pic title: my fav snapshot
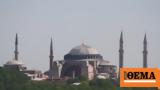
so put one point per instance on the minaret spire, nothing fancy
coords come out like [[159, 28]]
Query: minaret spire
[[16, 47], [51, 61], [121, 51], [51, 49], [145, 52]]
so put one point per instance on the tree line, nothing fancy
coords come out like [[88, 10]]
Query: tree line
[[16, 80]]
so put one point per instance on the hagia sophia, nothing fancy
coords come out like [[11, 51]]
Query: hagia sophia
[[81, 60]]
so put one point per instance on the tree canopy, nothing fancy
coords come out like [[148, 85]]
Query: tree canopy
[[16, 80]]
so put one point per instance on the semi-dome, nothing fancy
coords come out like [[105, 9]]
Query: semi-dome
[[104, 62], [13, 62], [82, 51]]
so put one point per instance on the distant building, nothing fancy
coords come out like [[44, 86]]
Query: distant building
[[82, 60], [35, 75], [13, 64], [107, 70], [17, 65]]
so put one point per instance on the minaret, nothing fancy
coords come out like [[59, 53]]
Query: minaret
[[121, 51], [145, 52], [51, 61], [16, 47]]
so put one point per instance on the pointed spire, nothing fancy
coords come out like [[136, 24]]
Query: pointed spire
[[51, 61], [145, 39], [51, 48], [121, 51], [121, 37], [16, 41], [16, 47], [145, 52], [51, 53]]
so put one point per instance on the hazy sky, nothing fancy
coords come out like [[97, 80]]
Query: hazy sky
[[98, 23]]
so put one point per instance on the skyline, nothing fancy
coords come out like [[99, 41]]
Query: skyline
[[51, 48], [70, 23]]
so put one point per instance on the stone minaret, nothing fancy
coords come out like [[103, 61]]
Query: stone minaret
[[145, 52], [51, 61], [16, 48], [121, 51]]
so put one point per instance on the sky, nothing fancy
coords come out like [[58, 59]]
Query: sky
[[98, 23]]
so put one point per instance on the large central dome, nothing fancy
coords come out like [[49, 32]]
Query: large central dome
[[82, 51]]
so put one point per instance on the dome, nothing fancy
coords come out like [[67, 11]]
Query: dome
[[13, 62], [83, 50]]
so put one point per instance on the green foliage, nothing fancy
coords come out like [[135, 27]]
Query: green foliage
[[101, 84], [11, 79], [77, 79], [15, 80], [12, 76]]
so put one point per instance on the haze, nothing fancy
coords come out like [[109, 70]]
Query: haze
[[98, 23]]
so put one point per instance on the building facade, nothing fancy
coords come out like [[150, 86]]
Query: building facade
[[85, 61]]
